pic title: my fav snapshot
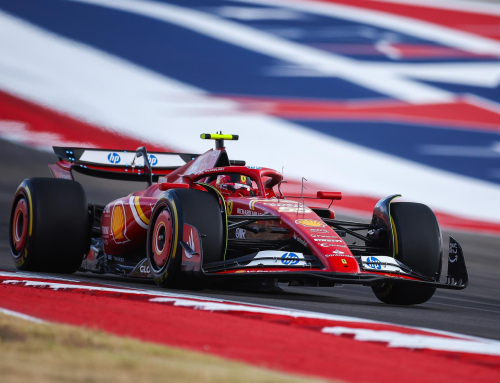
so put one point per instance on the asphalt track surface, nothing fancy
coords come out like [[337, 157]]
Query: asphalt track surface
[[473, 311]]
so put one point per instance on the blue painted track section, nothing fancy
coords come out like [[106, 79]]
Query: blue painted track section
[[424, 141]]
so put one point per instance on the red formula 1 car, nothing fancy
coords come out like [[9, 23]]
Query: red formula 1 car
[[204, 219]]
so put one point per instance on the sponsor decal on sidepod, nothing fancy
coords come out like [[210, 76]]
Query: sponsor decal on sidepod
[[118, 223], [247, 212]]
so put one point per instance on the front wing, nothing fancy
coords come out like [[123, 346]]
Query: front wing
[[240, 269]]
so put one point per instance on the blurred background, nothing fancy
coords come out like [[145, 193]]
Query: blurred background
[[370, 98]]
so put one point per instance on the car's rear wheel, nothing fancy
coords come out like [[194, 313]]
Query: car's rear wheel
[[418, 245], [173, 209], [49, 225]]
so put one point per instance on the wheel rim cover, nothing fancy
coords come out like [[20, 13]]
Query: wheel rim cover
[[20, 225], [162, 238]]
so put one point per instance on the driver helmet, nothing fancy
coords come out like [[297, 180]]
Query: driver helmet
[[235, 184]]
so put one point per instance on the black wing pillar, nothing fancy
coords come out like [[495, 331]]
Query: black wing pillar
[[457, 269], [142, 152]]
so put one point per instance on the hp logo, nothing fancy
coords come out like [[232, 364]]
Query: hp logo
[[114, 158], [373, 263], [153, 160], [289, 259]]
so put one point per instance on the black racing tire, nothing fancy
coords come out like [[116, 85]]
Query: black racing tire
[[49, 226], [418, 245], [173, 209]]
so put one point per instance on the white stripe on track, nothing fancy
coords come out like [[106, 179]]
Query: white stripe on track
[[453, 342], [425, 30], [380, 80], [21, 316], [396, 80], [94, 86], [391, 79], [416, 341], [183, 299], [166, 296]]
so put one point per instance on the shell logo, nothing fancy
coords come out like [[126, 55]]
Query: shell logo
[[118, 223], [310, 223]]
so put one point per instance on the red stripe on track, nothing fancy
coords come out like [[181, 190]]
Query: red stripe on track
[[459, 114], [402, 50], [309, 323], [62, 128], [263, 343], [479, 24]]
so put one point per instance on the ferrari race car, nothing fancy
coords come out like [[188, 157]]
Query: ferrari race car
[[208, 220]]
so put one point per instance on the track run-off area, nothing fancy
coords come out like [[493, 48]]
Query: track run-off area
[[324, 345], [370, 98]]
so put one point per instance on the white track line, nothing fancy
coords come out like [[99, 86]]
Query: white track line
[[21, 316], [394, 339], [414, 341], [220, 305], [183, 299], [459, 343], [380, 80], [425, 30]]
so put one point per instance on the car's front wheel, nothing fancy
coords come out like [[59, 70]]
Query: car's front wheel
[[418, 245], [173, 209]]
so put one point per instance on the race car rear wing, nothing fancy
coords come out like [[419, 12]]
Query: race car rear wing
[[125, 165]]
